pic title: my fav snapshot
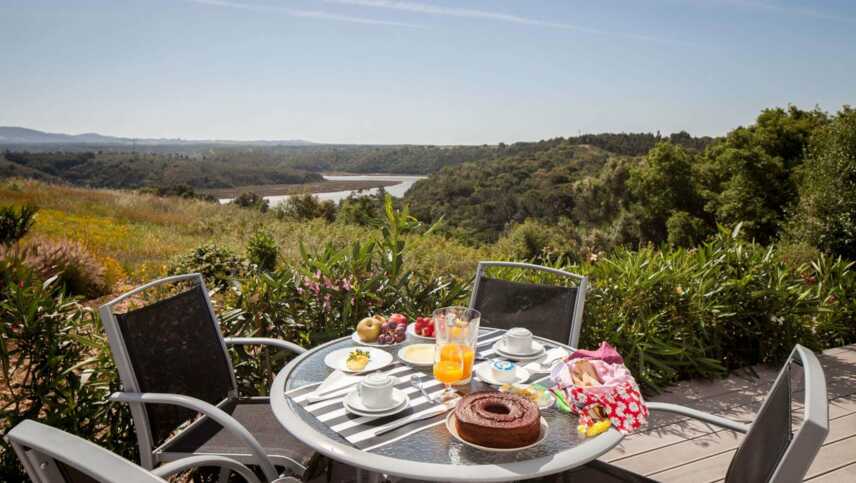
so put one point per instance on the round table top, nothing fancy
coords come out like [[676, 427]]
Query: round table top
[[432, 454]]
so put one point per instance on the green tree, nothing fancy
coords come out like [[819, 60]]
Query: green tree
[[826, 214], [662, 185]]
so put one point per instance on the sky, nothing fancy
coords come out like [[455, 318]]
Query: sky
[[417, 71]]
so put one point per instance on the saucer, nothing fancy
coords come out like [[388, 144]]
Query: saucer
[[486, 375], [354, 405], [537, 351], [453, 430]]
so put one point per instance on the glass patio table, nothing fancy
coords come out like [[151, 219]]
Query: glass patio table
[[432, 453]]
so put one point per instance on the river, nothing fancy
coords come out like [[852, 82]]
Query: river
[[396, 190]]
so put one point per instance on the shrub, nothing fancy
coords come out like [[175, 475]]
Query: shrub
[[251, 200], [74, 266], [684, 229], [262, 251], [729, 303], [218, 265], [56, 367], [14, 224], [305, 207], [535, 240]]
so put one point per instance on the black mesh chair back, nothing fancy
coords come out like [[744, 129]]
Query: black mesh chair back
[[175, 347], [766, 442], [777, 448], [544, 309]]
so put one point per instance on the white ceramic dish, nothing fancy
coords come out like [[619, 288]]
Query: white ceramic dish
[[353, 404], [356, 338], [428, 362], [545, 403], [537, 349], [378, 359], [484, 372], [453, 430], [411, 331]]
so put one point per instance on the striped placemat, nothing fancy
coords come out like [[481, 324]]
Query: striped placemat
[[360, 430]]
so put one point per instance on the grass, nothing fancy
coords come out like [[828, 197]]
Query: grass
[[137, 234]]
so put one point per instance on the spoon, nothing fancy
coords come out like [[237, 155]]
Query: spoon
[[416, 381]]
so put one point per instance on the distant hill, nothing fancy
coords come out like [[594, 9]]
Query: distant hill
[[22, 135]]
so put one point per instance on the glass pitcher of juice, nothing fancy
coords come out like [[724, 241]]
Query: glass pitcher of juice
[[456, 330]]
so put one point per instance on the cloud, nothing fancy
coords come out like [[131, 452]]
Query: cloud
[[319, 14], [428, 9]]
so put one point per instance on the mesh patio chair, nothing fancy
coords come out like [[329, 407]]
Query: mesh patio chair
[[550, 311], [774, 449], [53, 456], [173, 364]]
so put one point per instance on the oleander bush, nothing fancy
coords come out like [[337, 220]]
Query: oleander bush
[[218, 265], [262, 251], [729, 303], [55, 365], [15, 222]]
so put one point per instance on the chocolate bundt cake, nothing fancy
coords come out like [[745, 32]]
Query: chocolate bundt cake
[[498, 420]]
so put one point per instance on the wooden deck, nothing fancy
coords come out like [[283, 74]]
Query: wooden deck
[[675, 449]]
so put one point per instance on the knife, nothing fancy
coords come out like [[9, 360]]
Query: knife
[[420, 416]]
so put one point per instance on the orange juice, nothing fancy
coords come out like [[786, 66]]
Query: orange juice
[[457, 360], [448, 372]]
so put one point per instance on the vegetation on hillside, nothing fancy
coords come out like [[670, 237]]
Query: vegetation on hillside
[[147, 170], [677, 193]]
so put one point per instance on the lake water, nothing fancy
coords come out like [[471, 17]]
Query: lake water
[[396, 190]]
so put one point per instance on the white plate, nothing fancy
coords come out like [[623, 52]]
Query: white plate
[[403, 350], [378, 359], [411, 331], [453, 430], [353, 403], [356, 338], [499, 348], [486, 375]]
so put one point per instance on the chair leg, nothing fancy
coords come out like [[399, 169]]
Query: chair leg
[[224, 475]]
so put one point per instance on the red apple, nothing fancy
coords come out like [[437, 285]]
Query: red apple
[[398, 319]]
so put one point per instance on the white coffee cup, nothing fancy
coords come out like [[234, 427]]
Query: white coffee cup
[[518, 340], [375, 390]]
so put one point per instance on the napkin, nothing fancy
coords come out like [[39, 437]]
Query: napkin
[[335, 381], [605, 353]]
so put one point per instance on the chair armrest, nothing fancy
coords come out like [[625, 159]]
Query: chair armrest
[[700, 415], [184, 464], [216, 414], [281, 344]]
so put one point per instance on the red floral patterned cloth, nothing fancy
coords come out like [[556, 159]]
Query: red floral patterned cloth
[[623, 406], [618, 395]]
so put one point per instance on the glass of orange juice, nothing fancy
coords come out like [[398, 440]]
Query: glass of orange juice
[[456, 332]]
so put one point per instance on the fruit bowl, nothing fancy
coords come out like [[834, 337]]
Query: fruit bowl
[[380, 331]]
